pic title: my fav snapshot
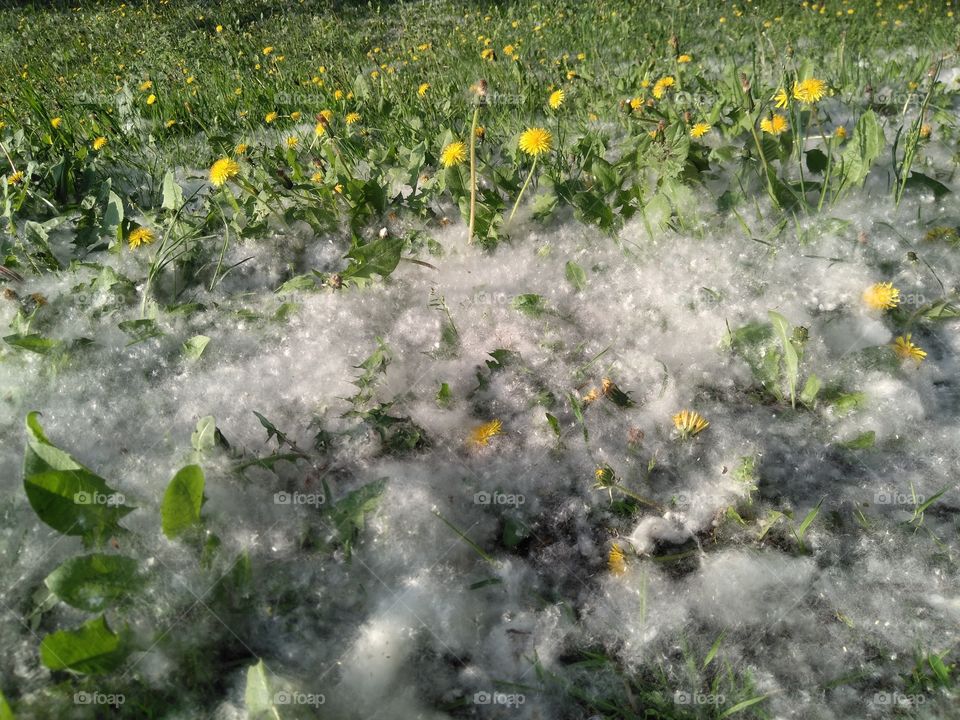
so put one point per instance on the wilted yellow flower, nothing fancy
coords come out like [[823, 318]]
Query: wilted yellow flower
[[781, 98], [925, 131], [222, 170], [535, 141], [662, 85], [616, 560], [689, 423], [422, 90], [151, 99], [240, 149], [453, 154], [99, 143], [774, 125], [881, 296], [556, 99], [699, 130], [810, 90], [140, 236], [352, 118], [905, 349], [482, 434], [271, 116], [146, 85], [56, 122]]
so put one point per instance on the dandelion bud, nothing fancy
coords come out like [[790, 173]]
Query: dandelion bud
[[674, 42], [383, 233], [604, 476], [745, 82]]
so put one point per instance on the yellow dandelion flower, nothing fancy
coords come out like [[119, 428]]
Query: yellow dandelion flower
[[169, 123], [222, 170], [292, 141], [268, 49], [320, 129], [662, 85], [317, 177], [352, 118], [140, 236], [689, 423], [781, 99], [810, 90], [905, 349], [327, 115], [775, 124], [338, 188], [881, 296], [338, 94], [151, 99], [482, 434], [270, 116], [684, 58], [422, 90], [571, 74], [146, 85], [616, 560], [636, 103], [219, 28], [240, 149], [700, 129], [481, 131], [99, 143], [508, 49], [556, 99], [16, 178], [925, 131], [56, 122], [488, 54], [295, 116], [535, 141], [840, 132], [591, 396], [605, 477], [453, 154]]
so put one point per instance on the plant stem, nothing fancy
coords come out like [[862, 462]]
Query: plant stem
[[526, 182], [473, 172]]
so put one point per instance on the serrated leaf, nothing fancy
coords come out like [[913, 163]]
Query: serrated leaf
[[66, 495], [94, 582], [349, 514], [182, 501], [91, 649]]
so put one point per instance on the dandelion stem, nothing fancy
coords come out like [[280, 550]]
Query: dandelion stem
[[522, 190], [473, 172]]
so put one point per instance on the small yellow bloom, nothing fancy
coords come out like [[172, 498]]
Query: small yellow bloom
[[219, 28], [338, 94], [535, 141], [422, 90], [775, 124], [662, 85], [169, 123], [905, 349], [338, 188], [267, 50], [616, 561], [881, 296], [481, 131], [146, 85], [352, 118], [699, 130], [56, 122], [781, 99], [317, 177], [684, 59], [689, 423], [151, 99], [295, 116], [810, 90], [925, 131], [140, 236], [636, 103], [488, 54], [271, 116], [571, 74], [556, 99], [16, 178], [482, 434], [222, 170], [240, 149], [320, 129], [840, 132], [99, 143], [292, 141], [453, 154]]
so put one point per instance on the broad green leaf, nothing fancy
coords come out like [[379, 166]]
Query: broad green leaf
[[194, 347], [379, 257], [863, 441], [575, 275], [32, 342], [91, 649], [65, 495], [5, 712], [182, 501], [205, 436], [94, 582], [810, 390], [140, 330], [258, 695], [791, 360], [529, 304], [349, 514], [113, 215], [172, 194], [863, 149]]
